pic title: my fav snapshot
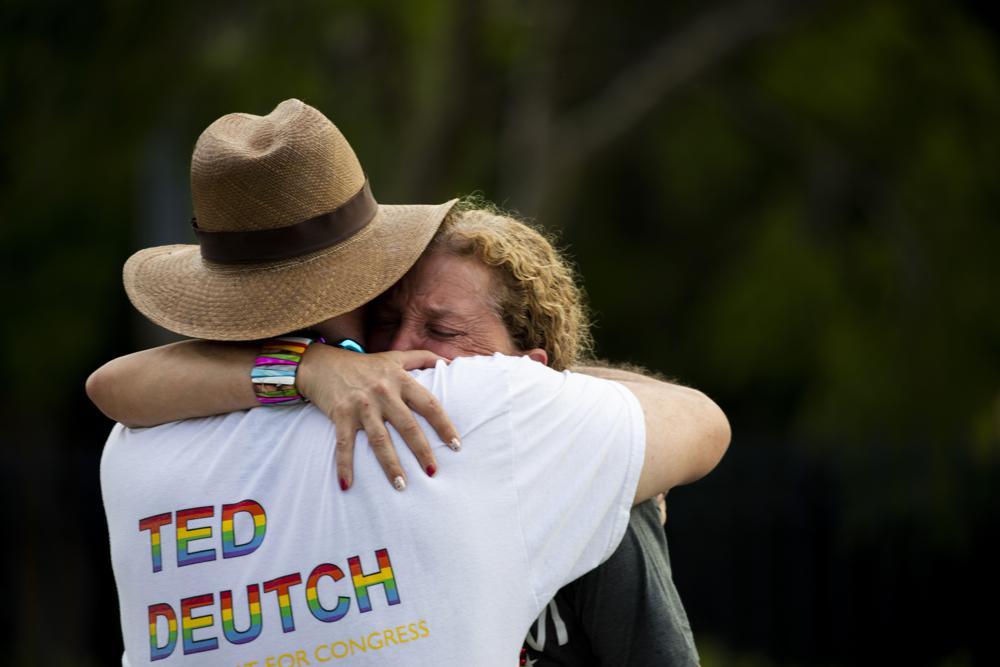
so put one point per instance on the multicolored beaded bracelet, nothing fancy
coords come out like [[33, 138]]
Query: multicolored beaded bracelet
[[277, 364], [275, 368]]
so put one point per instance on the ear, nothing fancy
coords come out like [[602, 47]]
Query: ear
[[539, 355]]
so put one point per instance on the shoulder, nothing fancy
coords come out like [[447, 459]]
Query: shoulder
[[492, 386], [263, 424], [521, 372], [482, 376], [481, 366], [517, 377]]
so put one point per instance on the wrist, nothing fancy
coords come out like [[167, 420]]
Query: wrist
[[309, 368]]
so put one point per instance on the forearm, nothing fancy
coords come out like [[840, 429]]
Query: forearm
[[357, 391], [178, 381], [686, 432]]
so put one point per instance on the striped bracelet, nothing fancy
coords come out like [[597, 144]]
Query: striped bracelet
[[274, 370]]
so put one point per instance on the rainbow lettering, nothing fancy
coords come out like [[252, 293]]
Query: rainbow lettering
[[185, 536], [312, 594], [229, 547], [153, 525], [164, 618], [191, 623], [281, 586], [157, 652], [363, 581], [233, 635]]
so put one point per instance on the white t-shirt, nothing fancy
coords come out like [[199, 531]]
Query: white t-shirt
[[233, 545]]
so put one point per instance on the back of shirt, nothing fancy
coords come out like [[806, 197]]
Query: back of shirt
[[232, 543]]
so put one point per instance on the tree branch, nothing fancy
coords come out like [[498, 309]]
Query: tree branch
[[677, 59]]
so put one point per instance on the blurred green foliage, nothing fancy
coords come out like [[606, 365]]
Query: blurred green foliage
[[792, 205]]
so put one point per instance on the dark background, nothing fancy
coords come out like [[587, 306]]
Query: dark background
[[790, 205]]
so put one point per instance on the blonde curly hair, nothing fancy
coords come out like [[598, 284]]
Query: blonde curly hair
[[536, 294]]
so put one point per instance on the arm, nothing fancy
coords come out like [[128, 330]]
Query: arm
[[686, 432], [193, 378], [358, 392]]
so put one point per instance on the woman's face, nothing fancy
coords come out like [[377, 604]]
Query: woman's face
[[443, 305]]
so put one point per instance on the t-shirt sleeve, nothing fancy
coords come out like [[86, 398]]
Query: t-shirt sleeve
[[578, 451], [629, 607]]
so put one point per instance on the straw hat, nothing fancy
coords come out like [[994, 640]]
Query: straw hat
[[289, 233]]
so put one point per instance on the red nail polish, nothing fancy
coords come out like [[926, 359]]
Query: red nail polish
[[343, 484], [430, 470]]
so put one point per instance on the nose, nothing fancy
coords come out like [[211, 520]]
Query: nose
[[406, 338]]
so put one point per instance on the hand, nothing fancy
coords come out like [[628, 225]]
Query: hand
[[362, 392]]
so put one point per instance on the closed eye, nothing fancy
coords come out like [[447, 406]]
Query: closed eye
[[443, 334]]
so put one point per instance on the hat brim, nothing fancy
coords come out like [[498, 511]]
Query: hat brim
[[178, 290]]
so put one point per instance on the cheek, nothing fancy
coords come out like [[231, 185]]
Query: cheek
[[500, 341], [483, 344], [446, 349]]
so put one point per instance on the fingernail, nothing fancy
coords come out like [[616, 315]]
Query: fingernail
[[343, 484], [399, 483], [455, 444], [430, 469]]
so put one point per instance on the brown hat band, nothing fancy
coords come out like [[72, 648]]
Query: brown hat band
[[265, 245]]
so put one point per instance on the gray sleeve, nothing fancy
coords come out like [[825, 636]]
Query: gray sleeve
[[627, 611]]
